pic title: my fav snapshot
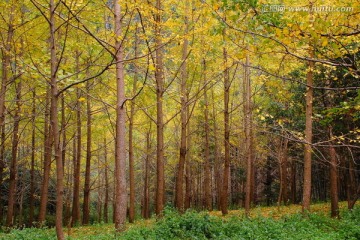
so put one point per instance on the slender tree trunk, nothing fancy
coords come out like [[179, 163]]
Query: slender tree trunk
[[131, 147], [76, 191], [226, 177], [218, 179], [179, 192], [13, 164], [120, 148], [32, 168], [100, 189], [47, 161], [248, 137], [106, 201], [146, 201], [131, 158], [189, 195], [283, 196], [351, 185], [333, 179], [293, 181], [159, 78], [86, 206], [207, 167], [308, 137], [54, 126], [63, 130]]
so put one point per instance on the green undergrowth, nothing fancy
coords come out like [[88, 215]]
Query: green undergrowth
[[194, 225]]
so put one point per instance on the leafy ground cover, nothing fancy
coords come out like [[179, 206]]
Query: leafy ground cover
[[285, 222]]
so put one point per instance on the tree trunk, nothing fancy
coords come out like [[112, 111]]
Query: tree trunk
[[47, 161], [106, 201], [226, 177], [76, 191], [146, 201], [86, 206], [218, 179], [248, 137], [188, 169], [351, 185], [131, 147], [54, 125], [32, 169], [293, 182], [333, 178], [283, 194], [179, 192], [13, 164], [207, 167], [308, 137], [120, 148], [159, 78]]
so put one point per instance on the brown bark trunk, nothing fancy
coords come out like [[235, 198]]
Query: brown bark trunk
[[13, 164], [47, 162], [106, 200], [120, 148], [308, 137], [218, 179], [248, 137], [146, 201], [86, 206], [131, 158], [32, 168], [226, 176], [76, 191], [351, 185], [293, 181], [207, 167], [333, 179], [159, 78], [188, 169], [179, 192], [54, 126], [63, 130], [131, 147], [283, 194]]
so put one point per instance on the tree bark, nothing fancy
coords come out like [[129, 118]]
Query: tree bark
[[131, 147], [218, 166], [283, 194], [308, 137], [226, 176], [32, 168], [54, 125], [86, 206], [13, 164], [207, 167], [333, 178], [106, 201], [76, 190], [179, 192], [120, 148], [47, 161], [159, 78], [188, 169], [146, 201], [248, 137]]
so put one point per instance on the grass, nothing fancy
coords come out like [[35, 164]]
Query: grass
[[284, 222]]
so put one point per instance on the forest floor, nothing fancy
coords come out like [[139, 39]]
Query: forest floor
[[283, 222]]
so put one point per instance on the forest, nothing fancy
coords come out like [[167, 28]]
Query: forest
[[186, 113]]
